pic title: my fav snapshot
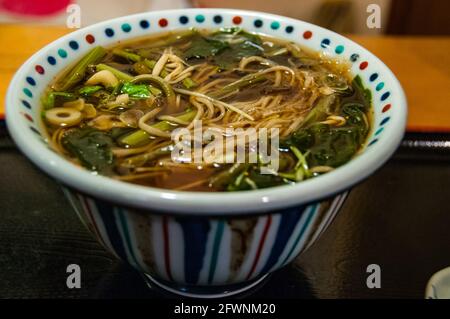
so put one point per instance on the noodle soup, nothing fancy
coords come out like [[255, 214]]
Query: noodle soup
[[117, 110]]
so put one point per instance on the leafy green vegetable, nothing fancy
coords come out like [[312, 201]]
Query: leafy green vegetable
[[202, 47], [367, 94], [92, 147], [330, 145], [137, 91], [225, 47], [324, 107], [253, 179], [89, 90], [244, 44]]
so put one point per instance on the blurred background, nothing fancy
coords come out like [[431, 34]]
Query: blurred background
[[424, 17]]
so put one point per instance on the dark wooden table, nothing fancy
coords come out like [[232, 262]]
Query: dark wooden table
[[399, 219]]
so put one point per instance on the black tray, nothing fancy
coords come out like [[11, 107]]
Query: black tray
[[399, 219]]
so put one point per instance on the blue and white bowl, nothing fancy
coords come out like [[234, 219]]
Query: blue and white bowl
[[193, 243]]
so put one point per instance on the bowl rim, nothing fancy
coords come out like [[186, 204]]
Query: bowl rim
[[206, 203]]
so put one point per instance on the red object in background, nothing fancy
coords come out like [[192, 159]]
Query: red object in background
[[34, 7]]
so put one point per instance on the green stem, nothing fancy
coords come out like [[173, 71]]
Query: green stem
[[127, 55], [165, 87], [77, 73], [141, 137], [237, 85], [122, 76]]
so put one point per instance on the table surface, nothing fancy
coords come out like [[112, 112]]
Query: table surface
[[397, 219], [422, 64]]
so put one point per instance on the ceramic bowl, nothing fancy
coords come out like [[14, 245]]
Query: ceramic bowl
[[204, 244]]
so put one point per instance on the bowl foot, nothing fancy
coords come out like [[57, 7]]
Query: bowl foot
[[206, 292]]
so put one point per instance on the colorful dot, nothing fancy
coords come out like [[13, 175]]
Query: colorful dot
[[163, 22], [39, 69], [28, 117], [307, 35], [90, 38], [381, 129], [354, 57], [35, 131], [62, 53], [384, 121], [325, 43], [373, 142], [363, 65], [27, 92], [51, 60], [144, 24], [109, 32], [289, 29], [26, 104], [73, 45], [31, 81], [385, 96], [380, 86], [275, 25], [386, 108], [258, 23], [373, 77], [200, 18], [217, 19], [339, 49], [183, 19], [237, 20], [126, 27]]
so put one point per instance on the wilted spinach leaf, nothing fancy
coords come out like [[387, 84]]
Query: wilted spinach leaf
[[254, 179], [92, 147], [367, 94], [244, 44], [137, 91], [331, 145], [202, 47], [221, 50], [89, 89]]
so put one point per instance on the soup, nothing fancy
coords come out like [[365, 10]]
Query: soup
[[118, 111]]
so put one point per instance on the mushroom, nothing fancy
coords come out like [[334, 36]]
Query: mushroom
[[104, 77]]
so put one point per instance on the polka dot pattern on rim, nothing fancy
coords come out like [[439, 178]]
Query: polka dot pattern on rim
[[258, 23], [325, 43], [222, 20], [200, 18], [307, 35], [275, 25], [237, 20], [30, 81], [109, 32], [363, 65], [183, 19], [74, 45], [163, 23], [339, 49], [39, 69], [62, 53], [90, 38], [144, 24], [126, 27], [51, 60]]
